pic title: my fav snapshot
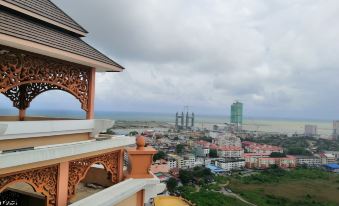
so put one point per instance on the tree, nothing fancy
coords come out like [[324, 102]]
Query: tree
[[185, 176], [180, 148], [277, 154], [213, 153], [205, 138], [172, 185], [159, 155], [298, 151], [133, 133]]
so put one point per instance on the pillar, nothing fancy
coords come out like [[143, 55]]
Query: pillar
[[141, 198], [22, 100], [140, 160], [62, 189], [91, 94], [22, 114]]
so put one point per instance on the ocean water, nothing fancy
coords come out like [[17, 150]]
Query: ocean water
[[276, 125]]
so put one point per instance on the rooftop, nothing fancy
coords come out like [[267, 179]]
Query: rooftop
[[332, 166]]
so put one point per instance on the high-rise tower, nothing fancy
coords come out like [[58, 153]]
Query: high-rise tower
[[236, 114]]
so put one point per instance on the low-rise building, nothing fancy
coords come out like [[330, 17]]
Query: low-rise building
[[252, 147], [251, 159], [215, 169], [227, 139], [230, 164], [264, 161], [310, 130], [230, 152], [286, 162], [308, 161], [334, 153], [327, 158], [171, 163], [185, 161], [202, 150]]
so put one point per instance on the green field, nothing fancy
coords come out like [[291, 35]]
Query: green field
[[299, 187], [209, 198]]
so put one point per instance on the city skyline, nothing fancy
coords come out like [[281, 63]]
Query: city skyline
[[276, 59]]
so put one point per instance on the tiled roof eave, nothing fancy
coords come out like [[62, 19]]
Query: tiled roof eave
[[45, 37]]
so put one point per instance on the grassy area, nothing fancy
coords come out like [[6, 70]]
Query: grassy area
[[209, 198], [294, 188]]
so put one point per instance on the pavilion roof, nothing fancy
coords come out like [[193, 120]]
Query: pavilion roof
[[46, 11], [27, 29]]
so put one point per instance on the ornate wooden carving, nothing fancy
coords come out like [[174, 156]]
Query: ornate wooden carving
[[25, 75], [43, 180], [78, 169]]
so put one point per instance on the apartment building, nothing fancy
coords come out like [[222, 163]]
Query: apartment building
[[184, 161], [172, 163], [227, 139], [229, 165], [230, 152], [252, 147], [308, 161], [263, 161]]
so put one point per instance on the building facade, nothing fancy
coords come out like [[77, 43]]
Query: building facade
[[229, 165], [264, 161], [308, 161], [230, 152], [172, 163], [335, 135], [185, 161], [311, 130], [227, 139], [252, 147], [236, 113]]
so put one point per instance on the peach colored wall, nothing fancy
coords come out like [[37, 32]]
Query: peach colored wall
[[99, 176], [40, 141], [134, 200], [131, 201]]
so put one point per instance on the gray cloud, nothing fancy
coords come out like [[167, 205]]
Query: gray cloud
[[278, 57]]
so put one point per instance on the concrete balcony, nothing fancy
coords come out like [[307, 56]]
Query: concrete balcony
[[16, 135], [67, 153], [58, 151], [130, 192]]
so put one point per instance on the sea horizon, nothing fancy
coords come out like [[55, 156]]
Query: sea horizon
[[265, 124]]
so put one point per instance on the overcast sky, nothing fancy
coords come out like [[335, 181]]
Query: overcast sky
[[279, 57]]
